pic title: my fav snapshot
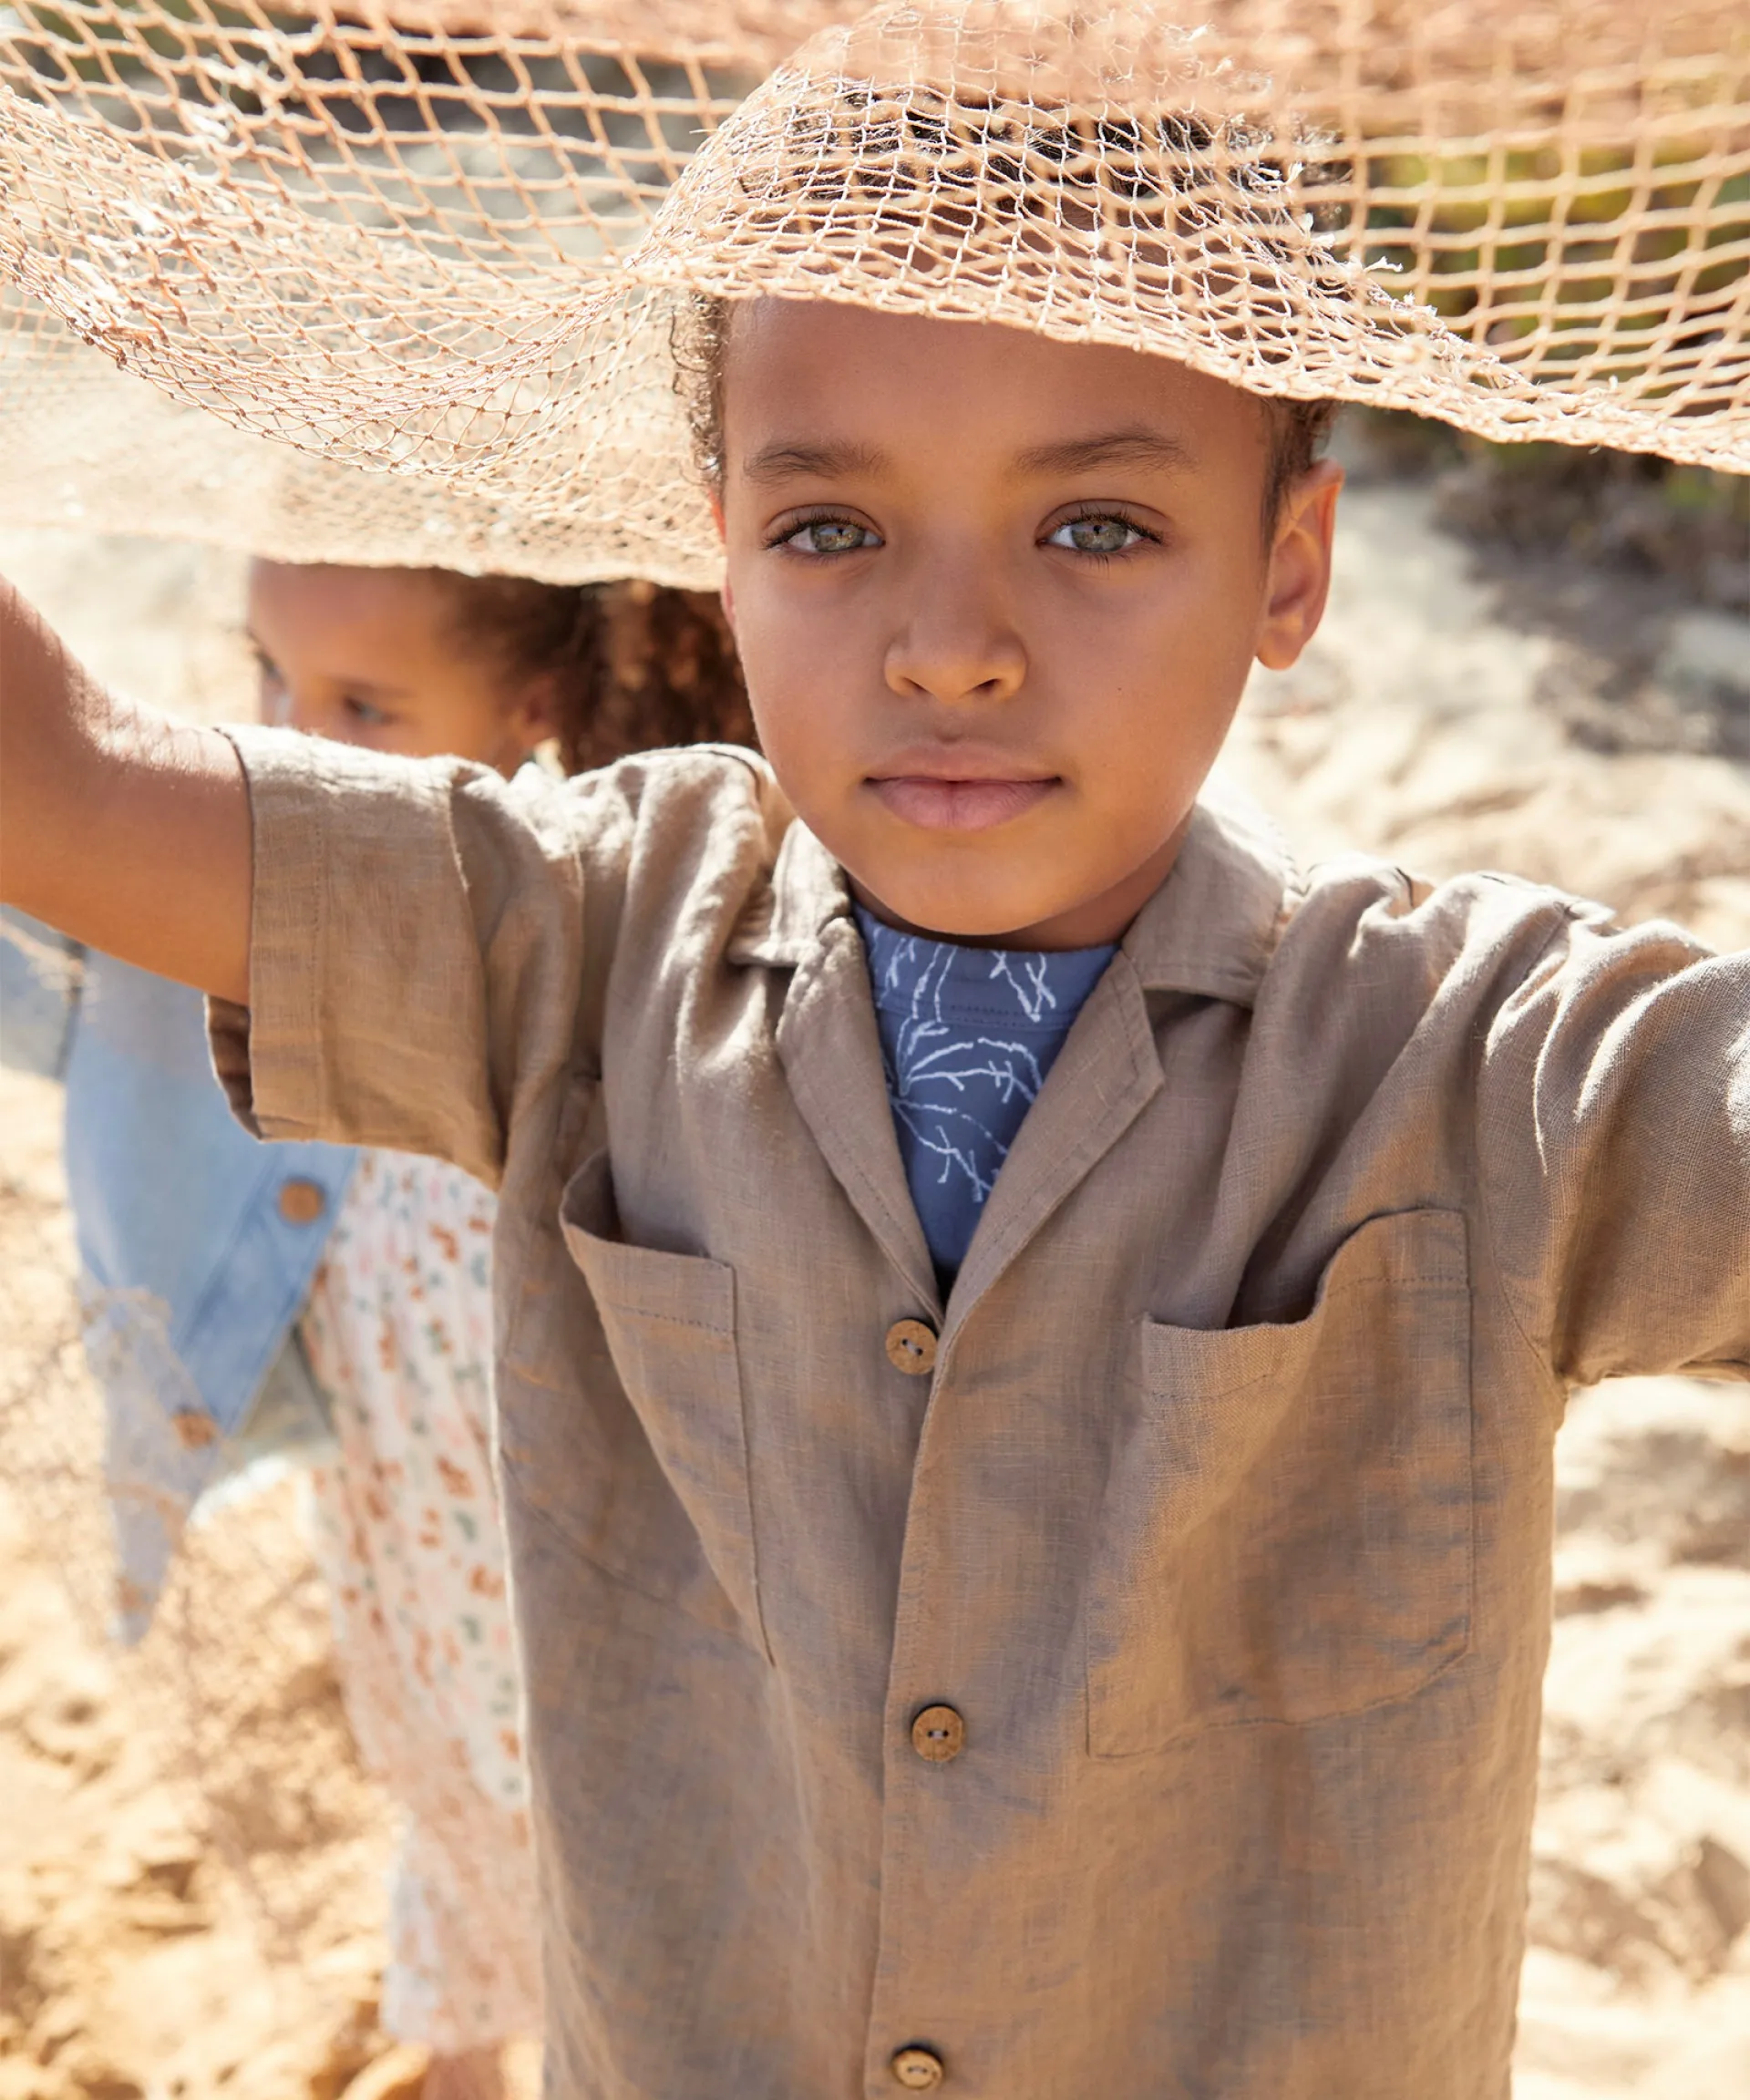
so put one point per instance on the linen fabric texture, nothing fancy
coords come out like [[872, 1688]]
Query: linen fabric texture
[[1223, 1520]]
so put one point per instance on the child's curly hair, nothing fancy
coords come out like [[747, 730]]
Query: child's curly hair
[[635, 666]]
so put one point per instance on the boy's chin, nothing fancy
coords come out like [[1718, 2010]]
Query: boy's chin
[[975, 915]]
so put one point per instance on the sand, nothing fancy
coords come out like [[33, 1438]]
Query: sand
[[188, 1847], [216, 1930]]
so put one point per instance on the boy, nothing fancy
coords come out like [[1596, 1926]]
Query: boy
[[1098, 1651]]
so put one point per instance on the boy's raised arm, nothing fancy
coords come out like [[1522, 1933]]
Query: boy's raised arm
[[120, 826]]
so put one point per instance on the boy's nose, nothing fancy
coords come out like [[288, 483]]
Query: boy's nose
[[957, 646]]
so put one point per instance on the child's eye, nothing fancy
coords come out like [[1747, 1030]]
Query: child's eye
[[1099, 533], [831, 536], [366, 716]]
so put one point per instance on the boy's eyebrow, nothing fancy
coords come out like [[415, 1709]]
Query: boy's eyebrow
[[786, 457], [1136, 447]]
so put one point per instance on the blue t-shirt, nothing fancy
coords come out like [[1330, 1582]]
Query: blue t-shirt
[[967, 1037]]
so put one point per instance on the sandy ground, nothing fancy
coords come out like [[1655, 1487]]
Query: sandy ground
[[191, 1906], [189, 1852]]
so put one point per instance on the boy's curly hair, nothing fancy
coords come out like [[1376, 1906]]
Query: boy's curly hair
[[1299, 430], [636, 666]]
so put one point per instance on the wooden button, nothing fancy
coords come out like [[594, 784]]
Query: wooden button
[[938, 1735], [302, 1202], [918, 2070], [912, 1347], [194, 1430]]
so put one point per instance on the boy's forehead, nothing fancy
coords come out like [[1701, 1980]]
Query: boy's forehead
[[801, 377]]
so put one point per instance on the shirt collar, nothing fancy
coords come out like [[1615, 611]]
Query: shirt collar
[[1210, 929], [783, 921], [1212, 926]]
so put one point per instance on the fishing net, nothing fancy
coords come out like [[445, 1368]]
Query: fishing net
[[90, 446], [454, 241]]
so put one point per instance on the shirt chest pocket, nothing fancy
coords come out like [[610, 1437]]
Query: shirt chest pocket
[[664, 1505], [1286, 1533]]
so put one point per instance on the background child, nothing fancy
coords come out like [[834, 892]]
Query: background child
[[271, 1286]]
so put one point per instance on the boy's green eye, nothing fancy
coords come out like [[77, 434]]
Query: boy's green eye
[[366, 715], [1097, 535], [832, 535]]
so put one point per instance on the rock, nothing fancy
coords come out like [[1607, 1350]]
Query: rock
[[354, 2052], [1723, 1881], [1581, 1597], [1576, 1912], [1706, 654], [398, 2075]]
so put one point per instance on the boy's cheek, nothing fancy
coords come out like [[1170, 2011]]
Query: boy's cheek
[[804, 674], [800, 733]]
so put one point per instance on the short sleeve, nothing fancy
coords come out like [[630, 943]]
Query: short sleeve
[[1615, 1151], [417, 945]]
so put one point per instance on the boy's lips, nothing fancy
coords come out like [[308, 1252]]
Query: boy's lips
[[966, 792]]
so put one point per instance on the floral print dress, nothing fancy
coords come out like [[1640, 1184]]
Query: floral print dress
[[398, 1329]]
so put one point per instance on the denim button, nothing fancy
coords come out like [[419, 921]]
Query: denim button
[[195, 1431], [302, 1202]]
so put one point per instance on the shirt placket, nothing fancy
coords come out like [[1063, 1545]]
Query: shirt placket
[[940, 1913], [925, 1736]]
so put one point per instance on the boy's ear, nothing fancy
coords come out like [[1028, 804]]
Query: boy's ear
[[1298, 580]]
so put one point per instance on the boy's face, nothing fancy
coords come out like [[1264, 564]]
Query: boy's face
[[997, 597]]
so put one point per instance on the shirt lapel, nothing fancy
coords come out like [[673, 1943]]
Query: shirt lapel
[[1208, 931], [831, 1049], [1106, 1074]]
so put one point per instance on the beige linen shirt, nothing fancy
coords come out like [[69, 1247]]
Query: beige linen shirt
[[1220, 1513]]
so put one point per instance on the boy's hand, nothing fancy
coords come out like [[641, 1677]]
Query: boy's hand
[[122, 828]]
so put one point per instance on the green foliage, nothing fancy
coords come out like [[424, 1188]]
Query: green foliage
[[1521, 246]]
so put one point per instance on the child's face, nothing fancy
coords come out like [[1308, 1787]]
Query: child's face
[[996, 599], [373, 656]]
